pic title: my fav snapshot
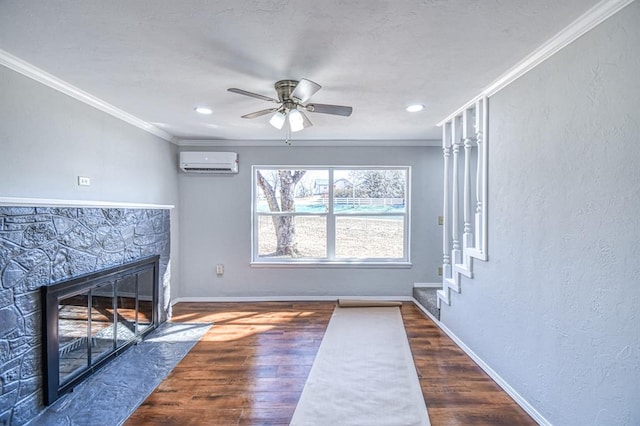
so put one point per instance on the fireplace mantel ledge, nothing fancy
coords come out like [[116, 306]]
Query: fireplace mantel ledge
[[49, 202]]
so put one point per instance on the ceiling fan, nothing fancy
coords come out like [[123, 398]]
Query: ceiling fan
[[292, 97]]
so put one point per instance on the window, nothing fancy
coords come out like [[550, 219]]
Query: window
[[330, 215]]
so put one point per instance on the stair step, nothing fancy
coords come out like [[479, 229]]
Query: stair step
[[428, 298]]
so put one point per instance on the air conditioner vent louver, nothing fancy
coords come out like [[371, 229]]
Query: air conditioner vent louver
[[209, 162], [206, 169]]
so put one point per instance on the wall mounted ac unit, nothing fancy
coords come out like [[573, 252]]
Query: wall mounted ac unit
[[209, 162]]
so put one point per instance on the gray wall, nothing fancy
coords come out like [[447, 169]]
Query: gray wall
[[48, 139], [555, 310], [215, 227]]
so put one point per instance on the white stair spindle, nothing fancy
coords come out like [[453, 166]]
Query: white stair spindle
[[446, 241], [485, 175], [455, 194], [467, 136], [479, 112]]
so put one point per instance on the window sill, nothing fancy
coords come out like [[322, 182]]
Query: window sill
[[332, 264]]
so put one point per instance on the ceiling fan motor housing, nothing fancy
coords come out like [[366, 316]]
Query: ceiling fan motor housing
[[284, 89]]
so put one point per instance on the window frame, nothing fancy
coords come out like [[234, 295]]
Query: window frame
[[331, 217]]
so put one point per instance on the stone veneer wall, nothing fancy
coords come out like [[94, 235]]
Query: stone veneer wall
[[40, 246]]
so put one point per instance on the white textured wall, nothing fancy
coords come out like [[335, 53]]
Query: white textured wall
[[48, 139], [556, 310], [215, 227]]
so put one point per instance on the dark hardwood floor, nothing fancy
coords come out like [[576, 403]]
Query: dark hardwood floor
[[251, 366], [456, 390]]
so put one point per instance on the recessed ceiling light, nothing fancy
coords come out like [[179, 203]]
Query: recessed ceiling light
[[203, 110], [415, 108]]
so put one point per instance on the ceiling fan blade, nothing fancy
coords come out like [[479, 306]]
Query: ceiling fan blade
[[304, 90], [260, 113], [253, 95], [305, 120], [345, 111]]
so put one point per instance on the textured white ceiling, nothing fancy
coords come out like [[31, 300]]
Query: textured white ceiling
[[157, 59]]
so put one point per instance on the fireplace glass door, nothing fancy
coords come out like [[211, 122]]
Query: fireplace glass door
[[73, 329], [102, 315], [90, 319]]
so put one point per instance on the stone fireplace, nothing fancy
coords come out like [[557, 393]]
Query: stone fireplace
[[42, 246]]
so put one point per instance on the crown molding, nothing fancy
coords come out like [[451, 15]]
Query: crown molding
[[586, 22], [22, 67], [308, 143], [28, 70]]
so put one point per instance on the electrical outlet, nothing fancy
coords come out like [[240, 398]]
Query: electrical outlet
[[440, 220], [439, 271], [84, 181], [219, 269]]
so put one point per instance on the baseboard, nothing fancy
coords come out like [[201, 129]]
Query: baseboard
[[427, 285], [453, 283], [523, 403], [287, 298], [464, 269], [443, 296], [424, 311]]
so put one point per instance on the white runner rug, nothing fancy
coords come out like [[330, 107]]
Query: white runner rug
[[363, 374]]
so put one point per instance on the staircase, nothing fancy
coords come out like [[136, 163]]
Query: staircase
[[464, 220], [427, 297]]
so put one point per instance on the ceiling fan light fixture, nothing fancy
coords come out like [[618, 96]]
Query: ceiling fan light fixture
[[203, 110], [292, 97], [296, 120], [414, 108], [278, 119]]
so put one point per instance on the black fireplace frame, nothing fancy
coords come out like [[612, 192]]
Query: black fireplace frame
[[52, 294]]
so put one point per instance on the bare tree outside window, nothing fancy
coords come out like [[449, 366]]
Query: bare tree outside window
[[284, 226]]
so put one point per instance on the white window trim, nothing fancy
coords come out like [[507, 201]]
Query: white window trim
[[330, 261]]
